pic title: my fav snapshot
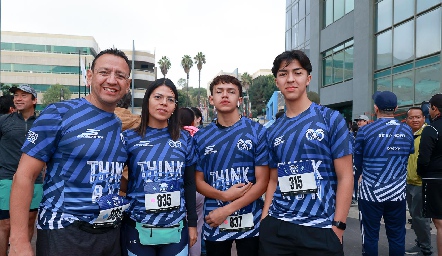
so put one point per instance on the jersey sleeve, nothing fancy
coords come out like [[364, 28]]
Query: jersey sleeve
[[191, 153], [262, 152], [44, 134], [340, 140]]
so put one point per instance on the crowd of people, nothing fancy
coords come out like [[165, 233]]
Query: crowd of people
[[99, 180]]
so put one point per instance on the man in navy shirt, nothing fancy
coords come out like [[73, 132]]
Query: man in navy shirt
[[381, 152]]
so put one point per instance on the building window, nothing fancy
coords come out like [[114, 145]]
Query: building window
[[46, 48], [31, 68], [297, 35], [336, 9], [337, 64]]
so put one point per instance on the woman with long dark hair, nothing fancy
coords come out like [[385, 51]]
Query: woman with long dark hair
[[161, 185]]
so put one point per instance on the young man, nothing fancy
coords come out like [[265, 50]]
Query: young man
[[362, 120], [232, 173], [429, 167], [421, 225], [13, 130], [81, 144], [382, 149], [311, 175]]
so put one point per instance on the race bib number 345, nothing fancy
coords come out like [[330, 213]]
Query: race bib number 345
[[162, 201], [298, 184]]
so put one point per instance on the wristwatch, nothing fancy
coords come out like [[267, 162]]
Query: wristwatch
[[339, 224]]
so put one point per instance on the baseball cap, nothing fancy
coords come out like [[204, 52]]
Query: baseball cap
[[25, 88], [362, 117], [436, 100], [385, 100]]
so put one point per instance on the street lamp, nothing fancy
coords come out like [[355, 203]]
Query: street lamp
[[61, 94]]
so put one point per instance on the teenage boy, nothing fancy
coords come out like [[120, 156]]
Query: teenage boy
[[232, 173], [311, 172]]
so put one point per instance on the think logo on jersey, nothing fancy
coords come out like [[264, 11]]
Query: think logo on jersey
[[278, 141], [144, 143], [392, 122], [174, 144], [90, 134], [32, 137], [209, 150], [244, 144], [312, 134]]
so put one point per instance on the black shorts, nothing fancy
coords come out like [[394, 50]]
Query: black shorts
[[74, 241], [432, 198], [277, 237]]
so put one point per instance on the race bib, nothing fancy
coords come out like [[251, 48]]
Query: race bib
[[304, 183], [237, 223], [111, 210], [159, 202]]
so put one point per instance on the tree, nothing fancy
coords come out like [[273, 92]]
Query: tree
[[56, 93], [246, 80], [200, 59], [5, 88], [187, 63], [260, 92], [182, 83], [165, 65]]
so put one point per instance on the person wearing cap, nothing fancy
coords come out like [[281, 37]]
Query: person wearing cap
[[81, 143], [421, 225], [429, 167], [381, 153], [13, 130], [362, 120]]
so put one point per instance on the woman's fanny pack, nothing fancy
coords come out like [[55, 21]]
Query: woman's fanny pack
[[152, 235]]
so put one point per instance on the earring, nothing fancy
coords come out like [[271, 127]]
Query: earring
[[238, 104]]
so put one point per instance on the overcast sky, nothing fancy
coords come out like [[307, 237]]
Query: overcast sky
[[243, 34]]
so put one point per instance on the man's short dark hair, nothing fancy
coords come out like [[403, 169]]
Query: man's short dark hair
[[6, 102], [126, 101], [288, 57], [226, 79], [113, 51], [416, 108]]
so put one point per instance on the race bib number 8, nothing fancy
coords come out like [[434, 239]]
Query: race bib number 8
[[298, 184], [162, 201], [237, 223]]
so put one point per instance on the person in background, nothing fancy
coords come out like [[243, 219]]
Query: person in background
[[429, 167], [161, 185], [81, 144], [198, 117], [7, 104], [381, 153], [360, 122], [421, 226], [13, 130]]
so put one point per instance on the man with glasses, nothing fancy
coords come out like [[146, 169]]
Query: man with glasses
[[81, 144], [421, 225]]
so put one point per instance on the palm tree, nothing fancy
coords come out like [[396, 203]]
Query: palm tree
[[246, 80], [165, 64], [200, 59], [187, 63]]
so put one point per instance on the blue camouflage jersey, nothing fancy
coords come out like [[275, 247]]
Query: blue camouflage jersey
[[84, 151], [303, 149], [381, 151], [156, 170], [228, 156]]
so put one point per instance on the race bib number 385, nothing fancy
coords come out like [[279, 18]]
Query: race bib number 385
[[162, 201], [298, 184]]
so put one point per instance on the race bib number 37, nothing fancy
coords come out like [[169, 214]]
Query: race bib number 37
[[162, 201], [298, 184]]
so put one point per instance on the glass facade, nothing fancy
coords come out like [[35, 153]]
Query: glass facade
[[408, 48], [31, 68], [46, 48], [337, 64], [297, 35], [336, 9]]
